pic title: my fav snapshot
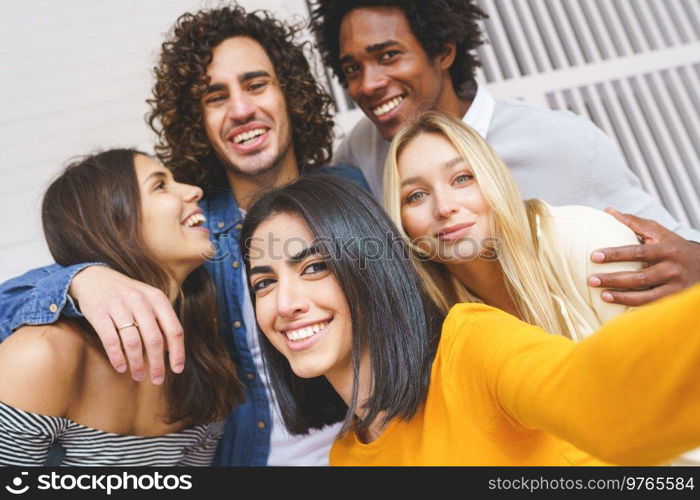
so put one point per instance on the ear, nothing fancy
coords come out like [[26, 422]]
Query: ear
[[447, 57]]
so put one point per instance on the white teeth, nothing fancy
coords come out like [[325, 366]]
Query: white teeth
[[306, 332], [386, 107], [247, 136], [195, 220]]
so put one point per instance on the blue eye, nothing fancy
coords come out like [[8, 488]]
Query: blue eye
[[463, 178], [417, 196]]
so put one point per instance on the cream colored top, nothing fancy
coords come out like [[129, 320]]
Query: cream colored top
[[577, 232]]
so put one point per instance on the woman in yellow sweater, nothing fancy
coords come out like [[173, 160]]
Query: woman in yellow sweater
[[349, 334]]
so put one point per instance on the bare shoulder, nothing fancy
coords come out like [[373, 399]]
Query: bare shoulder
[[40, 367]]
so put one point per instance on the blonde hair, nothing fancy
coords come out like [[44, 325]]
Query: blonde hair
[[527, 263]]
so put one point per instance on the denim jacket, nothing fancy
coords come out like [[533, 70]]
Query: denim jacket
[[40, 296]]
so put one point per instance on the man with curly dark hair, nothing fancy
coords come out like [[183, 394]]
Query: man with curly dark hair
[[237, 111], [398, 58]]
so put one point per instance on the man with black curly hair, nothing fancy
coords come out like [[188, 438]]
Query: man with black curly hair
[[237, 111], [398, 58]]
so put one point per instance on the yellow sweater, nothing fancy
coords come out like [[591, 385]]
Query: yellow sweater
[[504, 392]]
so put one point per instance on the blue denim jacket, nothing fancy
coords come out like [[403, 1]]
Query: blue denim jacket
[[40, 296]]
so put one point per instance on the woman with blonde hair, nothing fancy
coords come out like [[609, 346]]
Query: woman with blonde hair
[[474, 239]]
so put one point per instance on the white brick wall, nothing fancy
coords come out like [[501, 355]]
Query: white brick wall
[[75, 76]]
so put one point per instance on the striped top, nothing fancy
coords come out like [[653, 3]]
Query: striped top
[[26, 438]]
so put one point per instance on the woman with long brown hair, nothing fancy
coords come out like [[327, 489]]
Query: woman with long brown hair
[[123, 209]]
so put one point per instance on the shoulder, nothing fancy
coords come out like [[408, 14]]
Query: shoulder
[[474, 329], [516, 120], [585, 228], [40, 366], [521, 112]]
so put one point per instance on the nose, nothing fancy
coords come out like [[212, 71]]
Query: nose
[[290, 300], [241, 108], [191, 193], [373, 80], [445, 206]]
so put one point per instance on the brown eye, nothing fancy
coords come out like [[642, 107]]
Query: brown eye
[[315, 267], [262, 284]]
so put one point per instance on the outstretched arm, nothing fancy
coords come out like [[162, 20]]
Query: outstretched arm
[[627, 394]]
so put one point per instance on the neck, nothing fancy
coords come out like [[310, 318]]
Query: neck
[[174, 287], [484, 278], [342, 382], [246, 187], [450, 103]]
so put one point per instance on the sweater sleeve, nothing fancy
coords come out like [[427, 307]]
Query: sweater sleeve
[[628, 394]]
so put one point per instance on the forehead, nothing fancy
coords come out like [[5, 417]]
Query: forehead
[[145, 166], [279, 237], [427, 148], [366, 26], [236, 56]]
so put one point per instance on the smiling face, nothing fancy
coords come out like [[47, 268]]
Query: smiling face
[[389, 74], [171, 221], [442, 205], [299, 304], [245, 113]]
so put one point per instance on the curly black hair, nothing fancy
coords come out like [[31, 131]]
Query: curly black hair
[[176, 113], [433, 23]]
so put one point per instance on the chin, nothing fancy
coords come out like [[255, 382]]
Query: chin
[[308, 371]]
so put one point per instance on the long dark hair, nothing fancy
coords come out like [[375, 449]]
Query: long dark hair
[[392, 317], [92, 213]]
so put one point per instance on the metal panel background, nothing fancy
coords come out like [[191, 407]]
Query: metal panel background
[[631, 66]]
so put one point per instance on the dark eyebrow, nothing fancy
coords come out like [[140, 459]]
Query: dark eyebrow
[[214, 88], [448, 164], [371, 49], [380, 46], [245, 77], [260, 270], [312, 250], [158, 173], [249, 75], [298, 257]]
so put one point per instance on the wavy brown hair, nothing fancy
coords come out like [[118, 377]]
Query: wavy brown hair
[[181, 81], [92, 213], [433, 23]]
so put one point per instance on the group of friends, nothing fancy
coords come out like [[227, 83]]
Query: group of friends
[[250, 296]]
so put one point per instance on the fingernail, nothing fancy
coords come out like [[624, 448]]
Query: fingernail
[[158, 380], [607, 296], [138, 376], [178, 368], [121, 368], [594, 281], [598, 256]]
